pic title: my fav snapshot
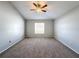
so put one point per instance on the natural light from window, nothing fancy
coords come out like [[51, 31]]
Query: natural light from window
[[39, 28]]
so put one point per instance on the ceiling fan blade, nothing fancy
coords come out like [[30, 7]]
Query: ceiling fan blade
[[35, 4], [44, 10], [39, 5], [32, 9], [44, 6]]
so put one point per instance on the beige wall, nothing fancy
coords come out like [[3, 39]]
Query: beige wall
[[49, 28]]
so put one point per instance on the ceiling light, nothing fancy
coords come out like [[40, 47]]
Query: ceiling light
[[39, 6]]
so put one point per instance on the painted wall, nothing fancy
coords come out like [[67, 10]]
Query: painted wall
[[11, 26], [49, 28], [67, 30]]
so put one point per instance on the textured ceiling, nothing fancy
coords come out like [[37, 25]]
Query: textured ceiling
[[55, 9]]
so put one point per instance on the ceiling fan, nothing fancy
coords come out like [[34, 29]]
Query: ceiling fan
[[39, 7]]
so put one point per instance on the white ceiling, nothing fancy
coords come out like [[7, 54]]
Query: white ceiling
[[55, 9]]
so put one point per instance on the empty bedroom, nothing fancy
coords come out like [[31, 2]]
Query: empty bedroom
[[39, 29]]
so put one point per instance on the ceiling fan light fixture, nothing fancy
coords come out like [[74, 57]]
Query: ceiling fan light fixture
[[38, 10], [39, 7]]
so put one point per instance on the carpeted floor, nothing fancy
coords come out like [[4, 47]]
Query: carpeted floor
[[39, 47]]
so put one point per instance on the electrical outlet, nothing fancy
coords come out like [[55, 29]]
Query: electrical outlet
[[9, 41]]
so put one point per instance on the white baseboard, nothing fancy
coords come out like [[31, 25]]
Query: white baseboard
[[10, 45], [68, 46]]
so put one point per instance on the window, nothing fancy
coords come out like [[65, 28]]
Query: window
[[39, 28]]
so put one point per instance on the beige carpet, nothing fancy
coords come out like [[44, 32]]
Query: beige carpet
[[39, 47]]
